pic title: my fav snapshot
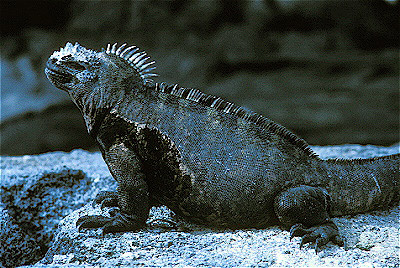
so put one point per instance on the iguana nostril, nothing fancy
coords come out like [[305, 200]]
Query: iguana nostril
[[51, 63]]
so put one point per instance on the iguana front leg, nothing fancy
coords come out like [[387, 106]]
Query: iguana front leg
[[304, 209], [132, 195]]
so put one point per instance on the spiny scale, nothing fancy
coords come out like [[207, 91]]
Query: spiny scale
[[227, 107], [137, 60]]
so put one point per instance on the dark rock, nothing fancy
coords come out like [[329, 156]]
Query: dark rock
[[35, 205], [36, 194], [16, 247], [17, 15]]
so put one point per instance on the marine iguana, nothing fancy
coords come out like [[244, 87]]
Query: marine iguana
[[208, 160]]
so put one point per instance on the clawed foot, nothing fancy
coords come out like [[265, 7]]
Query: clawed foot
[[319, 235], [118, 222]]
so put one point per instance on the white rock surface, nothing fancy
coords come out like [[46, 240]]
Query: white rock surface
[[372, 239]]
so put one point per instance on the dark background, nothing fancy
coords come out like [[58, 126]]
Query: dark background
[[327, 70]]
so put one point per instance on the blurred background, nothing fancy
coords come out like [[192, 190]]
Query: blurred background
[[327, 70]]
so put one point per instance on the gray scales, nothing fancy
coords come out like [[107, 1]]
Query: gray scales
[[208, 160]]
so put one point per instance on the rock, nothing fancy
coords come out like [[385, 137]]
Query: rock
[[37, 192], [67, 181], [17, 247]]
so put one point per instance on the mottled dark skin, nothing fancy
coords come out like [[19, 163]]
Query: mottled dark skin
[[209, 161]]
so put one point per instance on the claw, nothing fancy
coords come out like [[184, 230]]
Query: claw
[[321, 241], [305, 240], [81, 219], [297, 230], [173, 224], [338, 241], [118, 223], [122, 223], [115, 226], [113, 211], [95, 221], [301, 244], [319, 235]]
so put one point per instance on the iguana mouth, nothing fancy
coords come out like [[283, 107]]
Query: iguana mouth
[[59, 77]]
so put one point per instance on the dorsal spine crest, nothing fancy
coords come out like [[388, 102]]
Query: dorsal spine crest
[[139, 62], [134, 58], [230, 108]]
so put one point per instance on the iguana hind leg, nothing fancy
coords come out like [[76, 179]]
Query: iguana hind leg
[[304, 210], [132, 195]]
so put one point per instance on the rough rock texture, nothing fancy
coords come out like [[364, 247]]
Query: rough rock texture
[[17, 246], [36, 192], [372, 238]]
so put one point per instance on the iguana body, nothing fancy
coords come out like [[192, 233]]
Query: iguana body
[[208, 160]]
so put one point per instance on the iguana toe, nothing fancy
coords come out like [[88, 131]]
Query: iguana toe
[[337, 240], [109, 202], [122, 223], [297, 230], [94, 221], [119, 222], [113, 211], [319, 235], [307, 238]]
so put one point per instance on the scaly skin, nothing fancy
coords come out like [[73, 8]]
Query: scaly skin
[[208, 160]]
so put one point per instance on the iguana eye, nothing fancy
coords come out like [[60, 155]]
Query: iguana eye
[[75, 66], [66, 57]]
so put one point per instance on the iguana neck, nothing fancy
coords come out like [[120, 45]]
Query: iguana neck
[[95, 105], [361, 185]]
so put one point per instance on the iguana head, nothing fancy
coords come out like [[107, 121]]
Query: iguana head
[[95, 79]]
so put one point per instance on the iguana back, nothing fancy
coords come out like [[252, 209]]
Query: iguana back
[[227, 156]]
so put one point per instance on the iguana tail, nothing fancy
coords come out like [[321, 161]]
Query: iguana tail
[[362, 185]]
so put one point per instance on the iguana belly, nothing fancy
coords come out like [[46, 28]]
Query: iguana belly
[[207, 188], [217, 183], [242, 207]]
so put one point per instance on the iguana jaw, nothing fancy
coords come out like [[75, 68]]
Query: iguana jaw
[[58, 77]]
